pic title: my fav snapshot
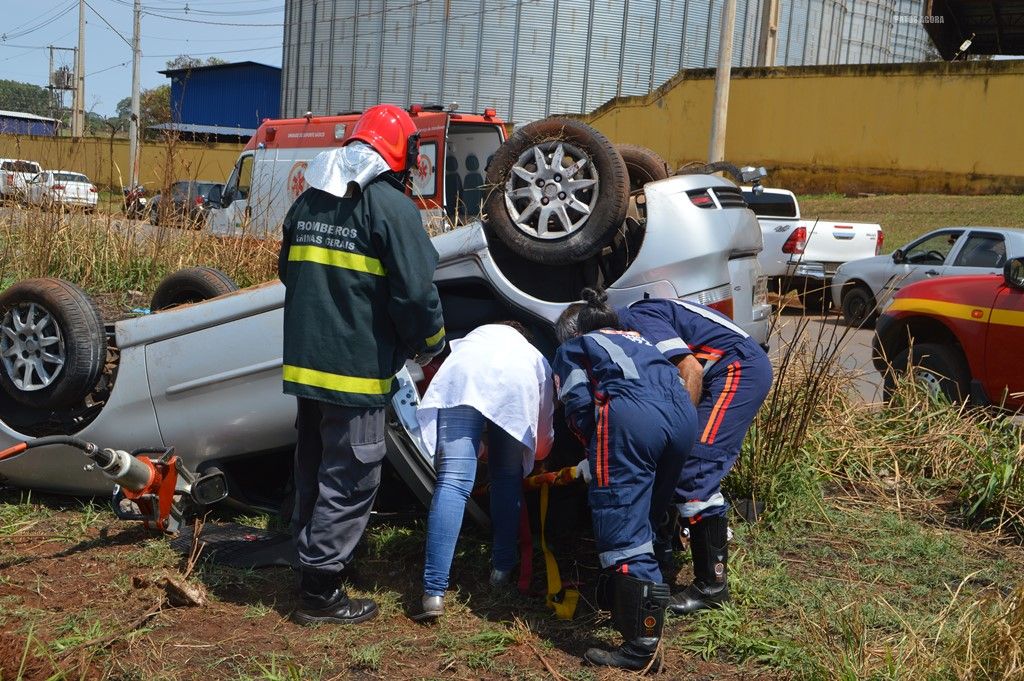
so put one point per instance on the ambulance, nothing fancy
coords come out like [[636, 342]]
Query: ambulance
[[447, 184]]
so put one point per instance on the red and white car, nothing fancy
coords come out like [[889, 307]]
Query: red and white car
[[53, 188], [961, 336]]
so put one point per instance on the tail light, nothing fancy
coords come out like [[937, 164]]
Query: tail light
[[701, 198], [879, 242], [723, 306], [797, 242], [58, 187], [92, 189], [10, 179], [199, 200]]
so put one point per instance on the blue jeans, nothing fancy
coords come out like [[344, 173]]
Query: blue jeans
[[459, 431]]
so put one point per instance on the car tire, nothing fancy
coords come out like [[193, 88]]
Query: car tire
[[940, 368], [858, 306], [642, 165], [585, 218], [192, 285], [66, 326]]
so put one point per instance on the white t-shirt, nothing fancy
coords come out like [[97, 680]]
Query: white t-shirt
[[496, 371]]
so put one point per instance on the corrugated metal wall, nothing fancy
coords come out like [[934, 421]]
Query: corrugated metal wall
[[234, 95], [534, 57]]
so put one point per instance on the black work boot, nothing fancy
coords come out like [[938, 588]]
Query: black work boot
[[323, 600], [638, 612], [709, 544]]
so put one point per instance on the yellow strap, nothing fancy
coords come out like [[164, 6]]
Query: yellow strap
[[436, 338], [562, 601], [337, 382], [333, 258]]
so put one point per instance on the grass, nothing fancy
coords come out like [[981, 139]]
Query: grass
[[904, 217]]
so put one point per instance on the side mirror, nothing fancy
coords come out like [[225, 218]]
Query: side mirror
[[227, 195], [216, 196], [749, 174], [899, 256], [1013, 273]]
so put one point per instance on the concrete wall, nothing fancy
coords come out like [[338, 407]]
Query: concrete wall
[[105, 162], [935, 127]]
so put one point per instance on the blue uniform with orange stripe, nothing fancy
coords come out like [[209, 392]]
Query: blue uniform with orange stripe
[[737, 378], [625, 401]]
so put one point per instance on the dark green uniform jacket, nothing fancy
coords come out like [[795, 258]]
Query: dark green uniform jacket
[[360, 296]]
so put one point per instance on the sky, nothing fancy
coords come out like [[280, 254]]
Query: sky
[[234, 30]]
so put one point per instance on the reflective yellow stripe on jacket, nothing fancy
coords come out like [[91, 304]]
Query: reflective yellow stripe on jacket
[[333, 258], [436, 338], [337, 382]]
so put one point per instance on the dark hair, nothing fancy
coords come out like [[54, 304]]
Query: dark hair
[[592, 314], [523, 331]]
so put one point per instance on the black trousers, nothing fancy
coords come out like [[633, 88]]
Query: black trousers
[[337, 472]]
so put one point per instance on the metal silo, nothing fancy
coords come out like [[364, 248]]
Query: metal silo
[[910, 42], [529, 58]]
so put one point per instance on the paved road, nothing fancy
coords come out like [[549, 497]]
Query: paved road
[[826, 332]]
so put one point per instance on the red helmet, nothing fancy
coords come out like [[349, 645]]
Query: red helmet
[[390, 130]]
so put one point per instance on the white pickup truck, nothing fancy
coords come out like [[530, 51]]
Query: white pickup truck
[[15, 175], [803, 254]]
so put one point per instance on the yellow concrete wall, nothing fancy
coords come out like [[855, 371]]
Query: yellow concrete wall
[[105, 162], [926, 127]]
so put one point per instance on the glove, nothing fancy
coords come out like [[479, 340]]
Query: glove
[[583, 470], [423, 359]]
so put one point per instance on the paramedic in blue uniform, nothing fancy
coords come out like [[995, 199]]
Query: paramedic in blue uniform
[[625, 401], [729, 376]]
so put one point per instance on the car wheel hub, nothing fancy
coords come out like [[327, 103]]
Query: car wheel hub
[[31, 347], [931, 382], [552, 190]]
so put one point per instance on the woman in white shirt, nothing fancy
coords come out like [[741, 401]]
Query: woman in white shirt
[[496, 380]]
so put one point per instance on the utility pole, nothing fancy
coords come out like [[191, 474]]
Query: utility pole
[[767, 43], [716, 150], [133, 125], [78, 111]]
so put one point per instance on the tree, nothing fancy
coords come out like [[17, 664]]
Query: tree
[[183, 61], [154, 106], [24, 97]]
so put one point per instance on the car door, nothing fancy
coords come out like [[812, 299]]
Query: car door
[[1004, 371], [982, 252], [234, 214], [922, 259]]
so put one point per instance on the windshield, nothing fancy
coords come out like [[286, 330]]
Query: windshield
[[21, 167], [469, 151], [771, 205], [69, 177]]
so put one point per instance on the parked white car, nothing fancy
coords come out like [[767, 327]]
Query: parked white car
[[805, 254], [15, 175], [862, 287], [52, 188]]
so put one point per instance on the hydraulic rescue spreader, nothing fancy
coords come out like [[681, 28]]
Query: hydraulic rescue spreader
[[151, 485]]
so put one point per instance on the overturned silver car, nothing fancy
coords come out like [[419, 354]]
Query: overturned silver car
[[206, 377]]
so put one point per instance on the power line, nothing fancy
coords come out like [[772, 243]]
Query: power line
[[109, 25], [42, 24]]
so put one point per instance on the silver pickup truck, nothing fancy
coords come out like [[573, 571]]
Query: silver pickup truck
[[804, 254]]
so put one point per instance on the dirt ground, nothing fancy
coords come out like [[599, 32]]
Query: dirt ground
[[77, 602]]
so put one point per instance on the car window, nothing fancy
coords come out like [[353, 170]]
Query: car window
[[769, 205], [244, 178], [21, 167], [982, 250], [932, 250], [179, 190], [70, 177], [203, 188]]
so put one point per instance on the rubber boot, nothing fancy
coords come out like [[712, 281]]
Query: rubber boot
[[709, 544], [638, 612], [323, 600]]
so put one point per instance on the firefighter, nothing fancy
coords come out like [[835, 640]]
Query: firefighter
[[360, 300], [625, 401], [729, 376]]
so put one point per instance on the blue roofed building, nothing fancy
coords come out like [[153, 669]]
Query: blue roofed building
[[20, 123], [222, 102]]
